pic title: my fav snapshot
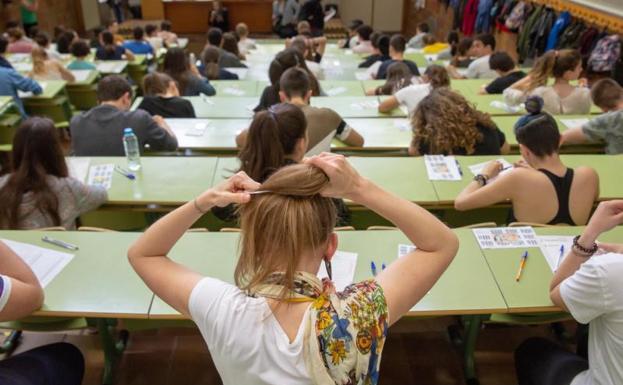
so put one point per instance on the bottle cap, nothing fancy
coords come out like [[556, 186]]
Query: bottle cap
[[128, 131]]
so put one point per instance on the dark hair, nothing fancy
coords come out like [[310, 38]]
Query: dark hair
[[165, 25], [110, 23], [607, 94], [215, 36], [553, 63], [453, 38], [487, 40], [354, 24], [177, 66], [501, 61], [65, 39], [365, 31], [273, 136], [463, 47], [294, 82], [538, 130], [289, 58], [383, 44], [150, 28], [156, 83], [112, 88], [423, 27], [428, 39], [211, 57], [230, 43], [36, 154], [109, 44], [4, 43], [80, 48], [398, 43], [437, 76], [42, 39], [15, 33], [299, 43], [138, 33], [58, 31], [398, 77]]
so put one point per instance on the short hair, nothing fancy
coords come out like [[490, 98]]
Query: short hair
[[138, 33], [242, 29], [501, 61], [383, 44], [423, 27], [303, 27], [354, 24], [4, 43], [150, 28], [607, 94], [487, 39], [112, 87], [156, 83], [42, 39], [215, 36], [16, 33], [295, 82], [80, 48], [428, 39], [165, 25], [365, 31], [398, 43]]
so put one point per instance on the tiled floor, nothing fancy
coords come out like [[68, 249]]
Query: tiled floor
[[416, 353]]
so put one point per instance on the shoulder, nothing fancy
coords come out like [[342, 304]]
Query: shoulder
[[586, 173], [367, 299]]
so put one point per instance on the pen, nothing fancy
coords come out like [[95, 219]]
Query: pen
[[459, 167], [125, 173], [59, 243], [383, 266], [373, 268], [562, 252], [522, 264]]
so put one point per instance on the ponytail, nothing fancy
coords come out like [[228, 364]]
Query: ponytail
[[211, 57], [553, 63]]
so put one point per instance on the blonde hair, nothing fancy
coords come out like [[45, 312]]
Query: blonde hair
[[281, 226], [39, 56], [553, 63], [242, 30]]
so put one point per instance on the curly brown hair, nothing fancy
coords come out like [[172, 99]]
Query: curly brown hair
[[445, 121]]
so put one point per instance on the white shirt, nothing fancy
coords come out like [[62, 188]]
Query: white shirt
[[412, 95], [246, 45], [245, 340], [479, 69], [315, 69], [5, 291], [373, 70], [364, 47], [155, 42], [594, 294]]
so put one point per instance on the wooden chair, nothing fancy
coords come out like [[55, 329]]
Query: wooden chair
[[479, 225], [382, 228], [531, 224], [96, 229], [230, 230], [344, 228]]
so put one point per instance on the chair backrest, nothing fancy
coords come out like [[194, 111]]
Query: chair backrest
[[523, 224], [479, 225], [96, 229], [52, 228], [230, 230], [382, 228]]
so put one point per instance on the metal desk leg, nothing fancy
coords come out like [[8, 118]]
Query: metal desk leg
[[112, 349], [472, 325]]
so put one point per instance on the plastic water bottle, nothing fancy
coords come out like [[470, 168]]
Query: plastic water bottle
[[132, 152]]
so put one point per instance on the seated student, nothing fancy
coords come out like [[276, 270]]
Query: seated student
[[607, 95], [398, 77], [12, 81], [434, 77], [20, 295], [416, 42], [365, 45], [94, 40], [111, 51], [380, 51], [39, 191], [169, 38], [397, 46], [44, 68], [453, 40], [284, 60], [432, 46], [444, 123], [219, 17], [270, 316], [588, 285], [139, 45], [4, 43], [80, 51], [351, 35], [542, 189], [460, 55], [215, 39], [113, 27], [211, 57], [300, 43], [99, 131], [151, 36], [323, 124], [43, 41], [190, 82], [503, 64], [230, 44], [65, 40], [18, 42], [162, 98], [482, 47], [245, 43], [316, 45]]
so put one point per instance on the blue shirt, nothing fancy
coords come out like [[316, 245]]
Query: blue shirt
[[5, 63], [139, 47], [11, 81], [81, 65]]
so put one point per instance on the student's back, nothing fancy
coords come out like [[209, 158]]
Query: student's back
[[162, 98], [12, 81]]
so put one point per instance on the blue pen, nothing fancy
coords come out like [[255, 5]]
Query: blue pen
[[562, 252], [125, 173], [383, 266], [459, 167], [373, 268]]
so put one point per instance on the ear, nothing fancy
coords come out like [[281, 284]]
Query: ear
[[308, 96], [331, 247], [283, 97]]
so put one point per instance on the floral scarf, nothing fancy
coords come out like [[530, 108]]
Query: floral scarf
[[344, 333]]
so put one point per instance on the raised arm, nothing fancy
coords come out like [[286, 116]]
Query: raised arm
[[408, 279], [25, 294]]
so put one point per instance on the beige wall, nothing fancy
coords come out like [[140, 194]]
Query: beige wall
[[90, 13], [385, 15]]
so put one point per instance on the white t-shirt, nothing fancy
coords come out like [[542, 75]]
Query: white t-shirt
[[595, 294], [5, 291], [315, 69], [245, 340], [412, 95], [373, 70], [479, 69]]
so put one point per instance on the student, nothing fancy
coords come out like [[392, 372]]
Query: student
[[503, 64], [219, 17], [416, 42], [285, 16], [113, 27], [542, 189], [351, 40], [245, 44], [230, 44], [43, 41], [99, 131], [156, 42], [139, 45], [65, 40], [288, 234], [215, 39], [18, 42], [211, 69], [11, 81], [444, 123], [4, 43], [44, 68], [588, 285], [460, 56], [397, 46], [434, 77], [380, 51], [365, 45], [284, 60], [300, 43], [94, 41], [607, 95], [20, 295], [190, 83], [312, 12], [111, 51], [316, 45], [398, 77], [39, 191], [80, 51], [169, 38], [162, 98], [561, 97], [482, 47], [453, 40]]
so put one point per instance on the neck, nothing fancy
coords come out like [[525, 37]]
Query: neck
[[397, 56], [619, 106], [549, 162], [509, 72], [167, 95], [114, 103], [561, 81], [297, 101]]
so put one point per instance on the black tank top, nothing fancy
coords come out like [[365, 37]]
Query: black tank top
[[563, 190]]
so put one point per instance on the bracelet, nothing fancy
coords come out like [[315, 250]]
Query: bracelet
[[481, 179], [197, 207], [583, 251]]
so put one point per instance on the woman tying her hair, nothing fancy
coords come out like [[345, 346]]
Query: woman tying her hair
[[398, 77], [279, 323], [44, 68], [541, 188], [190, 83], [210, 58], [561, 97]]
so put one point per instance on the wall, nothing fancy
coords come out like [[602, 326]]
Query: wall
[[51, 13], [385, 15]]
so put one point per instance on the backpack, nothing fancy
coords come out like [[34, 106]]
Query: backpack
[[605, 55], [517, 17]]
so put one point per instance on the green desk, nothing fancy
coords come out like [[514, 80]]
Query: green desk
[[51, 89], [351, 107], [418, 58], [219, 136], [84, 77], [483, 103], [236, 88], [217, 107], [389, 134], [53, 102], [5, 103], [335, 88]]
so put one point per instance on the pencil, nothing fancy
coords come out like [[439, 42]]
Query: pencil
[[522, 264]]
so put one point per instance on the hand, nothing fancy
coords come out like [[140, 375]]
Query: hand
[[492, 169], [159, 120], [344, 180], [610, 247], [234, 190], [608, 215]]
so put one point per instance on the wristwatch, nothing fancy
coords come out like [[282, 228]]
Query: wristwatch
[[481, 179]]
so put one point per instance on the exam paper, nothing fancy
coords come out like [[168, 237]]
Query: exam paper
[[505, 107], [78, 168], [198, 129], [45, 263], [336, 91], [81, 75], [555, 248], [233, 91], [343, 267], [109, 67], [366, 105], [402, 124], [362, 75], [101, 175], [574, 123], [441, 167], [506, 237], [478, 168], [405, 249], [28, 94]]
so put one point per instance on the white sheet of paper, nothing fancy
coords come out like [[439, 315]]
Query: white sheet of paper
[[362, 75], [477, 168], [28, 94], [22, 66], [198, 129], [78, 168], [81, 75], [233, 91], [45, 263], [574, 123], [405, 249], [402, 124], [101, 175], [500, 105], [551, 249], [441, 167], [506, 237], [336, 91], [343, 267], [109, 67], [366, 105]]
